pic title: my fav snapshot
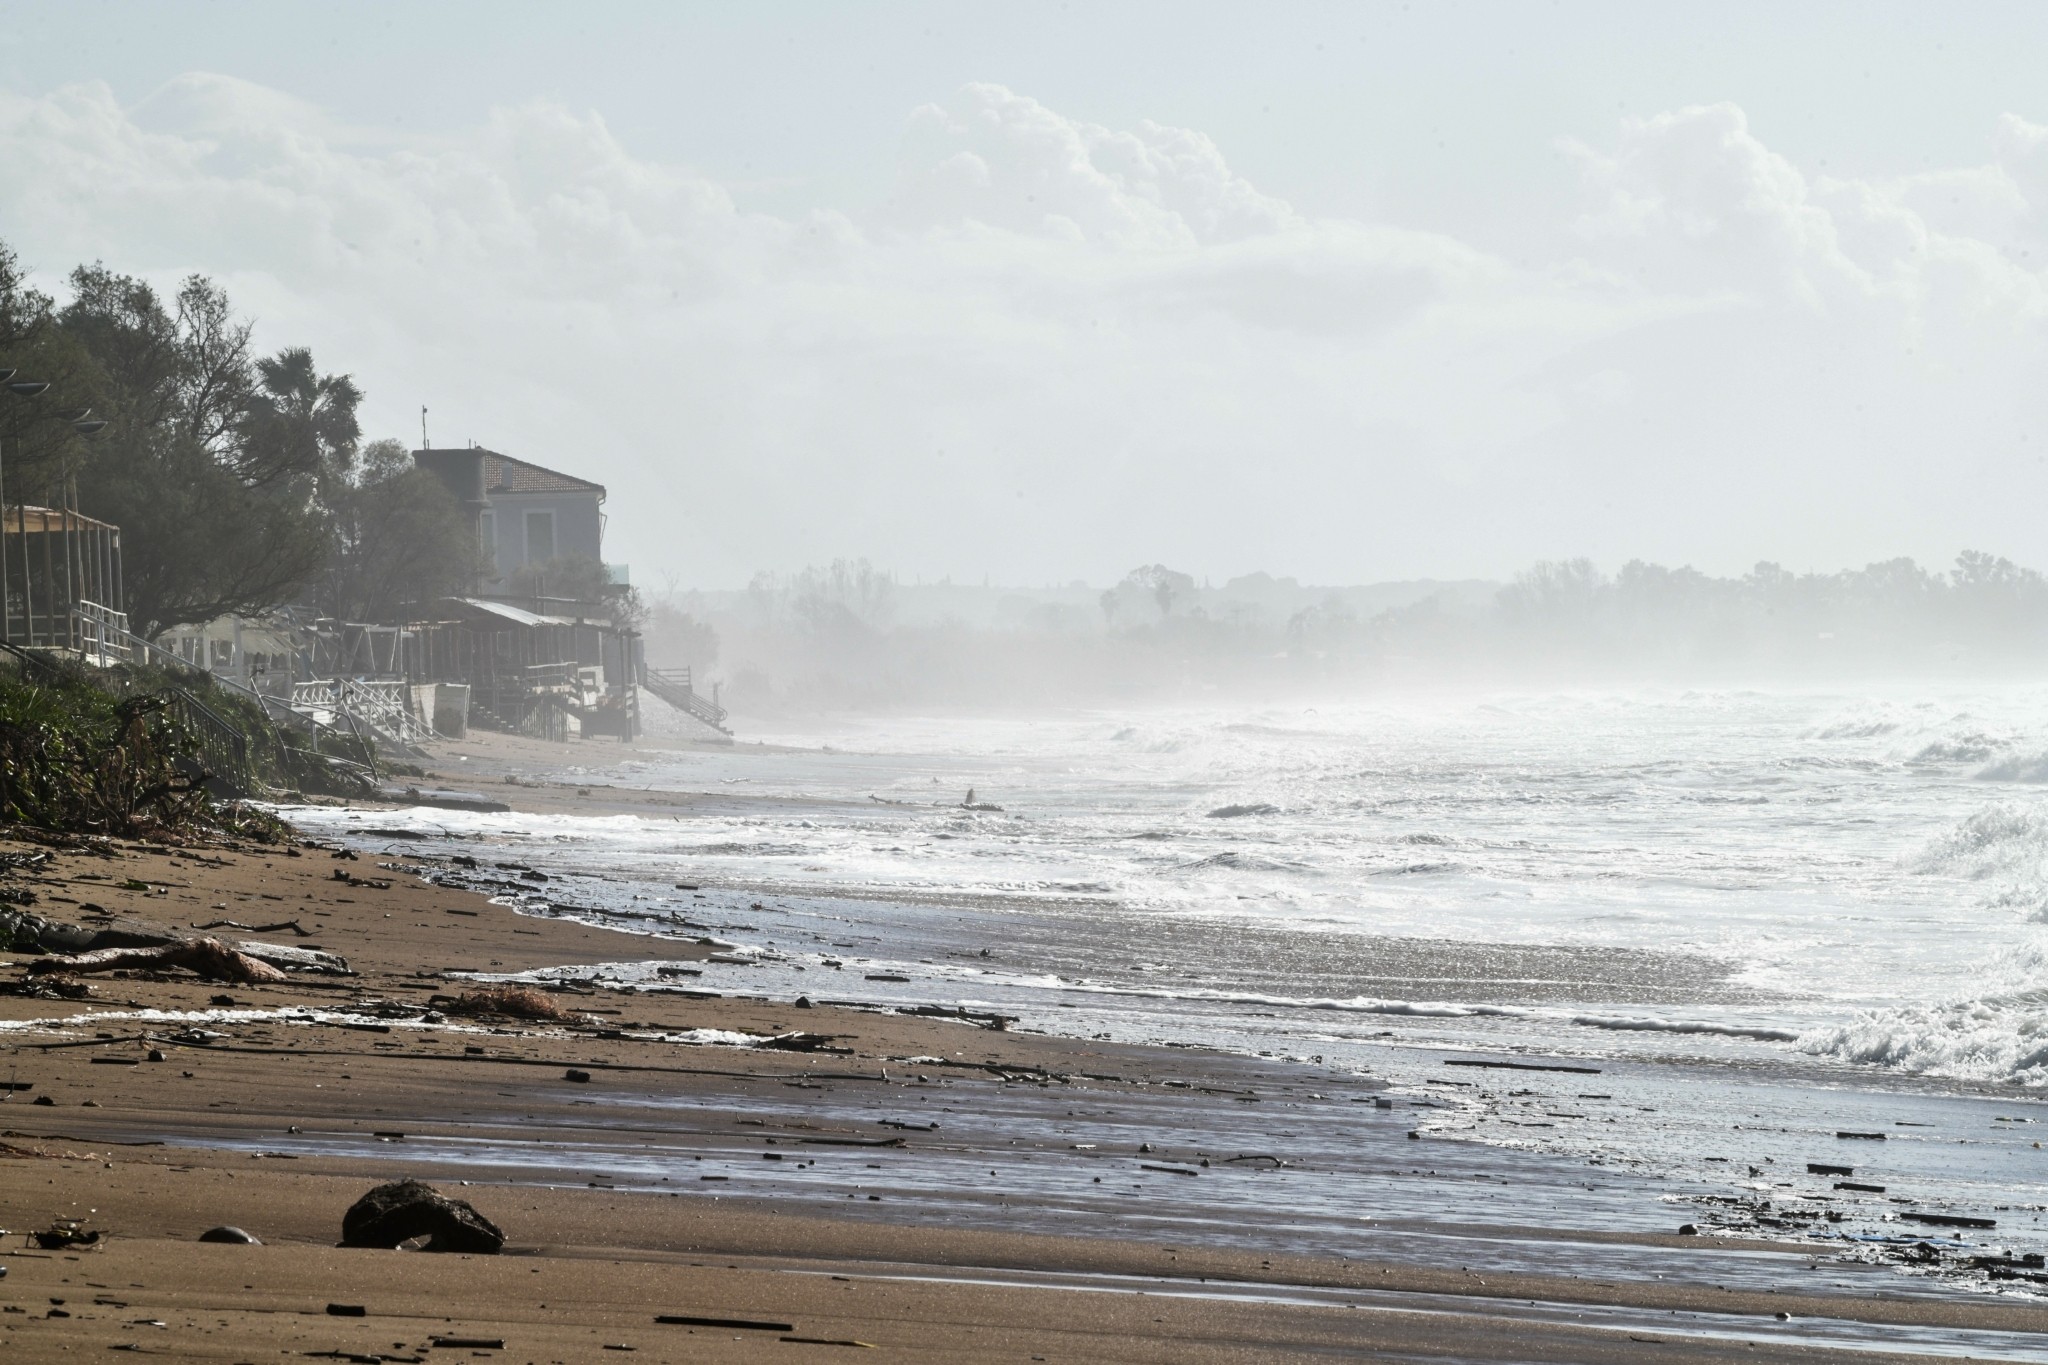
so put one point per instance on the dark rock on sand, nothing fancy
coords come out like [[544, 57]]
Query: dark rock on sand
[[405, 1209], [235, 1235]]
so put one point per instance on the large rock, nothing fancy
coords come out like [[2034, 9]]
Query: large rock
[[405, 1209]]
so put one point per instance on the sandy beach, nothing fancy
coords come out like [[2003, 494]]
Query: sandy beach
[[929, 1188]]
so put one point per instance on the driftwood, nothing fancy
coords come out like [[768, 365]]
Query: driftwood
[[25, 932], [208, 958]]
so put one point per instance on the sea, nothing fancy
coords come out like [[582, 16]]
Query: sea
[[1754, 919]]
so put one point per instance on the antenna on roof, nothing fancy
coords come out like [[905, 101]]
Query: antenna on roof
[[425, 444]]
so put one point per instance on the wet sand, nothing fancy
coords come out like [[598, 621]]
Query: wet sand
[[948, 1172]]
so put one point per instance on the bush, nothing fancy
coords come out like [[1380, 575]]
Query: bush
[[76, 758]]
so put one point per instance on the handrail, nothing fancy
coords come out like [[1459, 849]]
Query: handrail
[[273, 710], [213, 734], [672, 685]]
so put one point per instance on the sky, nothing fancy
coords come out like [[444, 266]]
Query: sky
[[1037, 293]]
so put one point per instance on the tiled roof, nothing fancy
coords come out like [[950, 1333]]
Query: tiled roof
[[503, 474]]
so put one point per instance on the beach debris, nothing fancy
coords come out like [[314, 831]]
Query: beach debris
[[294, 959], [979, 1018], [207, 958], [1236, 812], [55, 987], [64, 1234], [233, 1236], [1862, 1137], [347, 1310], [86, 943], [826, 1341], [798, 1041], [735, 1324], [517, 1002], [1948, 1220], [1500, 1064], [404, 1210], [1824, 1168], [579, 1077], [468, 1343], [290, 924]]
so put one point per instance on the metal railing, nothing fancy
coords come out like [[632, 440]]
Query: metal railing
[[116, 642], [673, 685], [102, 634], [385, 707], [220, 743], [222, 746]]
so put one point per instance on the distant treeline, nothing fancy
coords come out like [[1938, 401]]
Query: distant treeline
[[849, 635]]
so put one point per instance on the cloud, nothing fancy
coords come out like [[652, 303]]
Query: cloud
[[1055, 349]]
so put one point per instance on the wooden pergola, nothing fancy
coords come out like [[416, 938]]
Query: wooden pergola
[[52, 560]]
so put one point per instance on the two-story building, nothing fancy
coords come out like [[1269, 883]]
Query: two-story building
[[522, 513]]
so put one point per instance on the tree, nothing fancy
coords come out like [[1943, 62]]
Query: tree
[[398, 539], [579, 579], [1155, 584], [677, 636], [213, 461], [37, 443]]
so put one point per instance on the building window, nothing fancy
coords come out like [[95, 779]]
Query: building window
[[487, 532], [540, 537]]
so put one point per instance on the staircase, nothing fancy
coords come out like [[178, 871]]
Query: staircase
[[672, 685]]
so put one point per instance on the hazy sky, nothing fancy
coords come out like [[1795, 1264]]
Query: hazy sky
[[1040, 292]]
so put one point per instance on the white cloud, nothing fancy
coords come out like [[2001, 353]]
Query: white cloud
[[1057, 348]]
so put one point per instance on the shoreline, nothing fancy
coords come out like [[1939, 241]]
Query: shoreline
[[658, 1107]]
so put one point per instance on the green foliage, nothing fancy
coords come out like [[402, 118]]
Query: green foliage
[[273, 756], [76, 758], [212, 460]]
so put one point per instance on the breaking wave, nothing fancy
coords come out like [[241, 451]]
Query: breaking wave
[[1959, 749], [1998, 1036], [1997, 839]]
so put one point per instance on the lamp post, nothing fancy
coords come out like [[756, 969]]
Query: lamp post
[[75, 418]]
